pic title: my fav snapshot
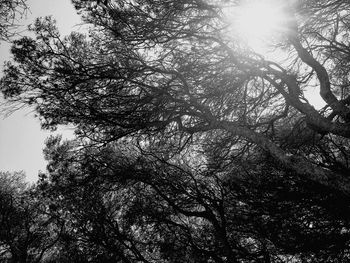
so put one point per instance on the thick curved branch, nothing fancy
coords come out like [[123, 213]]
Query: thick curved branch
[[314, 119], [322, 75], [263, 68], [297, 164]]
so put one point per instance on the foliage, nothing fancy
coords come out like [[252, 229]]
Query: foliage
[[26, 231], [9, 12], [193, 147], [122, 206]]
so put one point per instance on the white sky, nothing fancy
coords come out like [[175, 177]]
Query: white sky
[[21, 138]]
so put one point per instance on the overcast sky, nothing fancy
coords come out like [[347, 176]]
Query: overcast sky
[[21, 139]]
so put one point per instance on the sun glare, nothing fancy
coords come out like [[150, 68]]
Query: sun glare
[[257, 22]]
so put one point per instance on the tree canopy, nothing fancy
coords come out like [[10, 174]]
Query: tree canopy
[[10, 10], [191, 146], [27, 231]]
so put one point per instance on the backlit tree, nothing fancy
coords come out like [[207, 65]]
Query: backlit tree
[[174, 78]]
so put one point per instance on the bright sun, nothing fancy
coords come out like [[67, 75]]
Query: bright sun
[[256, 22]]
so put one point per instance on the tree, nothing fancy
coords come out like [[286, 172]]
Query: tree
[[169, 76], [165, 66], [9, 12], [11, 188], [26, 231], [122, 206]]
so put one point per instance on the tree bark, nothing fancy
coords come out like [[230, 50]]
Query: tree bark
[[298, 164]]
